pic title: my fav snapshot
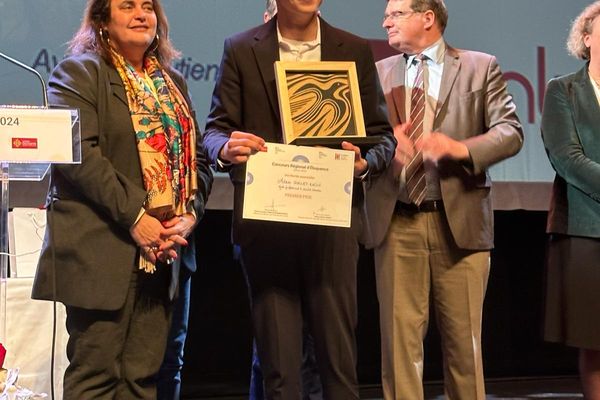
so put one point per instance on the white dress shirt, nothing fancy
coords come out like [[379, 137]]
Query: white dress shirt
[[433, 67]]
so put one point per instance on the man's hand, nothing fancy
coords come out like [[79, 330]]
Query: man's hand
[[405, 149], [240, 146], [437, 146], [360, 164]]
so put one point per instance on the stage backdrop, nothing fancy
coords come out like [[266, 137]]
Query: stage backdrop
[[527, 36]]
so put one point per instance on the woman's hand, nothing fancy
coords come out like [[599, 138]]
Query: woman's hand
[[147, 234], [158, 240], [147, 231], [174, 232]]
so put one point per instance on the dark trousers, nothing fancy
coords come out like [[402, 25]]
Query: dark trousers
[[300, 273], [169, 376], [117, 354], [311, 381]]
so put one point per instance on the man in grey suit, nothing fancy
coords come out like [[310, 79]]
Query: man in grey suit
[[429, 218]]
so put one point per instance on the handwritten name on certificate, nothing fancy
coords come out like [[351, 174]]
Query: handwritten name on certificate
[[302, 185]]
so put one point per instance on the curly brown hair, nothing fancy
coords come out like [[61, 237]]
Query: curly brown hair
[[92, 38]]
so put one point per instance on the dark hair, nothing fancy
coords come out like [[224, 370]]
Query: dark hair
[[91, 37], [437, 6]]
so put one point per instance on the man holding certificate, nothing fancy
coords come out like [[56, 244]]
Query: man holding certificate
[[294, 270]]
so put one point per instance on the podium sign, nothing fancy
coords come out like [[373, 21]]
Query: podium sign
[[36, 135], [31, 138]]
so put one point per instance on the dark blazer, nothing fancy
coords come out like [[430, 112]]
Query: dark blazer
[[571, 133], [95, 203], [473, 107], [245, 99]]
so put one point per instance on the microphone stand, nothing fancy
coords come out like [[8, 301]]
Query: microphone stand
[[33, 71]]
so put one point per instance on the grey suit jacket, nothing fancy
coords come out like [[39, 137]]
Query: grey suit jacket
[[245, 99], [95, 203], [570, 129], [473, 107]]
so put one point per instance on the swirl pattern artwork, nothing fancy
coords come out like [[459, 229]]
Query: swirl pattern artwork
[[320, 104]]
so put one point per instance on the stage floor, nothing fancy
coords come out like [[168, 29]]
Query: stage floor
[[561, 388], [523, 388]]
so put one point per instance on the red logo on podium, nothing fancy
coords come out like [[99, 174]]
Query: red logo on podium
[[24, 143]]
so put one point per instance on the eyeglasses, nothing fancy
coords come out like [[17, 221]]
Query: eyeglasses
[[396, 15]]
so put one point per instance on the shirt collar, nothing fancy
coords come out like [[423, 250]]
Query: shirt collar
[[434, 53], [290, 44]]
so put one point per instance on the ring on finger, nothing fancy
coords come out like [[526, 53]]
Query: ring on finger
[[148, 249]]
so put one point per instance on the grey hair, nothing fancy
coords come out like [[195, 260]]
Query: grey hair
[[582, 25], [271, 8], [437, 6]]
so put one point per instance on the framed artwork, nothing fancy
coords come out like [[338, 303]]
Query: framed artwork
[[319, 102]]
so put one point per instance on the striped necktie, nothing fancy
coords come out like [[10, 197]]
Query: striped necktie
[[416, 184]]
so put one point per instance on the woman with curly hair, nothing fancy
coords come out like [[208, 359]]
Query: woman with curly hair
[[571, 133]]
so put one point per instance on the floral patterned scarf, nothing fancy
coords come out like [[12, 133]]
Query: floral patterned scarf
[[166, 139]]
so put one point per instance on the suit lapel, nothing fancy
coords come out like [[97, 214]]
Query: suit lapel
[[266, 51], [398, 91], [586, 109], [332, 48], [451, 68], [116, 86]]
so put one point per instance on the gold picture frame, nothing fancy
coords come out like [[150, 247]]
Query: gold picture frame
[[319, 102]]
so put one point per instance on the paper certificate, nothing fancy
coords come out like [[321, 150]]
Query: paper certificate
[[297, 184]]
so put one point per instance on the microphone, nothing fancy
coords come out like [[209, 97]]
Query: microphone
[[33, 71]]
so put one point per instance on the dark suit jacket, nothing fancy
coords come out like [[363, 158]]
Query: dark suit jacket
[[245, 99], [473, 107], [571, 133], [95, 203]]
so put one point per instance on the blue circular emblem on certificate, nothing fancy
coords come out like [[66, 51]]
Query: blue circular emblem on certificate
[[348, 187], [249, 178], [300, 158]]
